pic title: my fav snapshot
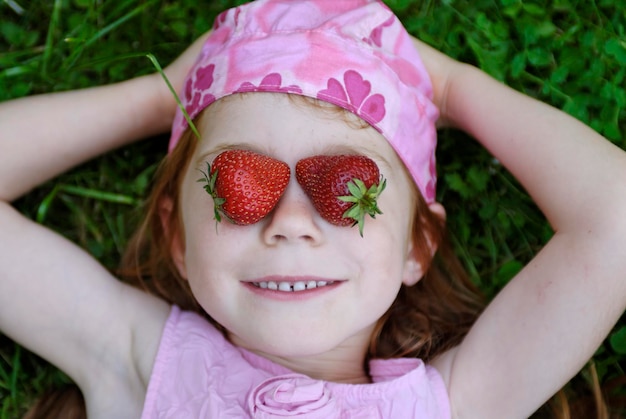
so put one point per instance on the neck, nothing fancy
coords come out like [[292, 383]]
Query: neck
[[334, 367], [342, 364]]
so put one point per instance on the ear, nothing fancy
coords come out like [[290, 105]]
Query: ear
[[438, 209], [173, 234], [413, 270]]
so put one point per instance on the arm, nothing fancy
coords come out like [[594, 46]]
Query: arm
[[548, 321], [54, 298], [54, 132]]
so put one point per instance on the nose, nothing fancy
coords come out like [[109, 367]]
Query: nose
[[293, 220]]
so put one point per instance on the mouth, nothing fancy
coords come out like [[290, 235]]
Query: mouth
[[291, 286]]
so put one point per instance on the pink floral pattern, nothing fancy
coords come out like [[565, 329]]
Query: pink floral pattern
[[354, 95], [196, 94], [220, 20], [270, 83], [376, 36], [355, 54], [223, 17], [431, 185]]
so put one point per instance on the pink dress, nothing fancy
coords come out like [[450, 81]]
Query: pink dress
[[199, 374]]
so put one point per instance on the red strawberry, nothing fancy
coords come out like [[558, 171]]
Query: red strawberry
[[245, 186], [343, 188]]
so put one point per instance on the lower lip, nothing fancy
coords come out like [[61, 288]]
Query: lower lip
[[291, 295]]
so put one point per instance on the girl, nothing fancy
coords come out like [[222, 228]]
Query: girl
[[314, 320]]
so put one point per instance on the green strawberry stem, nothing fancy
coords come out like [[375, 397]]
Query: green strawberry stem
[[364, 201], [210, 189]]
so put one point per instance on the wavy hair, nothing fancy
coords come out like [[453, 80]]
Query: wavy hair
[[424, 320]]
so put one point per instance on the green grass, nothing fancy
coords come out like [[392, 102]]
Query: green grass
[[570, 53]]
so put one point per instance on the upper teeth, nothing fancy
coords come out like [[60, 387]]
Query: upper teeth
[[292, 286]]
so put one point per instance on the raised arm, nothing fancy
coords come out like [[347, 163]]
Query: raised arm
[[42, 136], [548, 321], [54, 298]]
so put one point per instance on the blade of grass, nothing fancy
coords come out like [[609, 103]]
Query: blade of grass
[[54, 23], [4, 375], [20, 56], [465, 258], [156, 64], [120, 6], [44, 206], [85, 221], [114, 232], [78, 51], [15, 71], [159, 69], [98, 195], [15, 6], [16, 364]]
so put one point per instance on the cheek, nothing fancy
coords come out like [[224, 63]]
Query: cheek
[[211, 266], [396, 201], [382, 253], [385, 263], [395, 223], [209, 246], [205, 240], [379, 285], [389, 246]]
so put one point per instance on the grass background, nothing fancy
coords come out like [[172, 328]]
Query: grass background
[[569, 53]]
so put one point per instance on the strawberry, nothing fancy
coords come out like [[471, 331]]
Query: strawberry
[[245, 185], [343, 188]]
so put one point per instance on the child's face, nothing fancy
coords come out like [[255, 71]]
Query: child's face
[[294, 242]]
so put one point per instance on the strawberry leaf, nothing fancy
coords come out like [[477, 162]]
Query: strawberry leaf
[[210, 189], [364, 201]]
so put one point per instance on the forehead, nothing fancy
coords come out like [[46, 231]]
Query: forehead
[[283, 125]]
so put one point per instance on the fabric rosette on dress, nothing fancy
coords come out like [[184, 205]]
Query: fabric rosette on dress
[[298, 396]]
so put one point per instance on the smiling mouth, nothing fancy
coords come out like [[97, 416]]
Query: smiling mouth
[[292, 286]]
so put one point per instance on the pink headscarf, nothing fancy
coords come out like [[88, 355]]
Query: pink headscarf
[[352, 53]]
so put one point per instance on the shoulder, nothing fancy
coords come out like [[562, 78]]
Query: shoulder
[[187, 338], [182, 329], [116, 381], [412, 387], [197, 370], [443, 364]]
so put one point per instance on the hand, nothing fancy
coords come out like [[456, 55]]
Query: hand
[[178, 69], [442, 71], [176, 72]]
